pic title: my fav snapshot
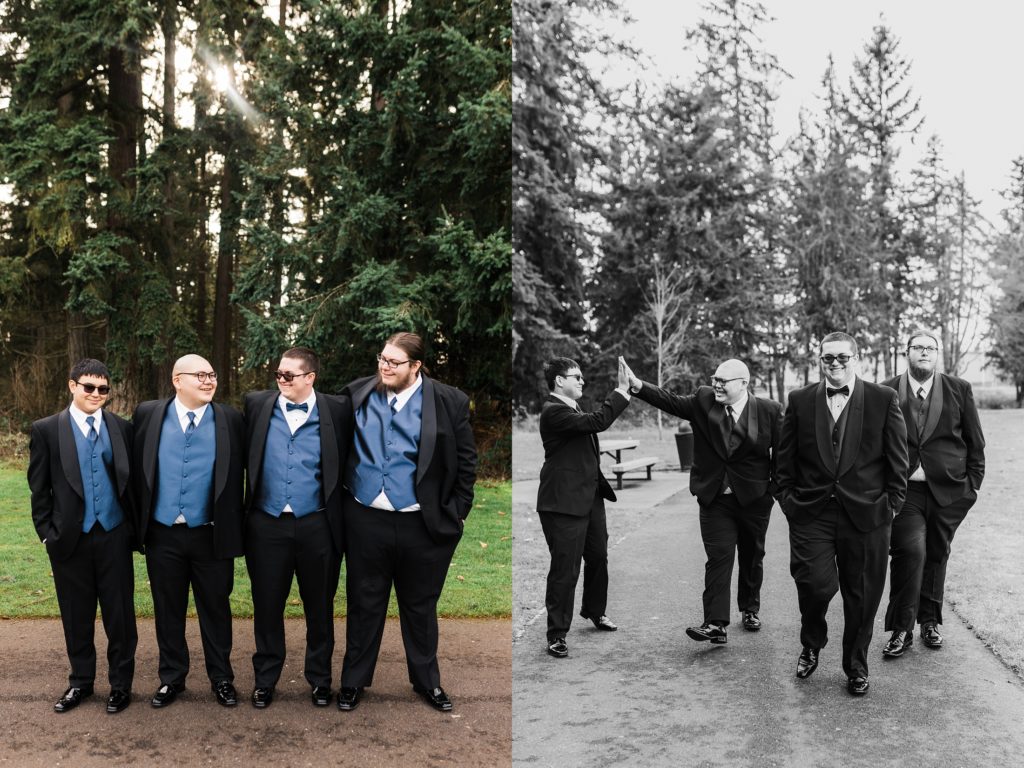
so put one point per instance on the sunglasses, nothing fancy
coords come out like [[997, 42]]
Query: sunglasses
[[843, 359], [103, 389], [288, 376]]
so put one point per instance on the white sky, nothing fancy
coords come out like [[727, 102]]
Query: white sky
[[966, 62]]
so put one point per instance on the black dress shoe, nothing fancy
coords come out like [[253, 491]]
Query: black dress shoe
[[72, 698], [558, 648], [807, 663], [165, 694], [712, 632], [930, 636], [348, 698], [261, 697], [858, 686], [321, 695], [436, 698], [225, 693], [898, 643], [601, 622], [750, 621], [118, 700]]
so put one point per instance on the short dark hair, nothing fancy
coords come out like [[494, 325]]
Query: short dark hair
[[411, 344], [88, 367], [922, 332], [309, 358], [558, 366], [839, 336]]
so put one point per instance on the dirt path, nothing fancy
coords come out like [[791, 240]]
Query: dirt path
[[391, 727]]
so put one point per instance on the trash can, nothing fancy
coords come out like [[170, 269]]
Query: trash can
[[684, 445]]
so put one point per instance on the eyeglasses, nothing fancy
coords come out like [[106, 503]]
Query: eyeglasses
[[103, 389], [201, 376], [842, 359], [386, 363], [920, 348], [718, 382], [288, 375], [577, 376]]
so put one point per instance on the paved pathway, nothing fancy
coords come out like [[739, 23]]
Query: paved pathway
[[648, 695]]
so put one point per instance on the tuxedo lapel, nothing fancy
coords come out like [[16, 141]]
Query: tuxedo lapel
[[822, 429], [934, 407], [428, 429], [152, 445], [122, 466], [854, 427], [223, 451], [907, 401], [716, 418], [328, 446], [259, 439], [750, 421], [69, 452]]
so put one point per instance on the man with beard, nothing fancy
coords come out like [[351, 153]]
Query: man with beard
[[188, 477], [736, 438], [410, 474], [842, 475], [947, 464]]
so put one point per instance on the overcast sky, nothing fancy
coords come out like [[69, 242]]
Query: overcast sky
[[966, 58]]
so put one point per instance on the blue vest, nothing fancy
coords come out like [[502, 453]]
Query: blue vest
[[291, 467], [96, 463], [184, 484], [387, 446]]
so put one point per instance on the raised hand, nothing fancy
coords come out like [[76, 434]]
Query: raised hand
[[631, 378], [623, 377]]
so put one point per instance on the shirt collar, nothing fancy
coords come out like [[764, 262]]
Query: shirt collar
[[850, 384], [183, 412], [403, 397], [739, 405], [916, 385], [282, 403], [80, 416], [567, 400]]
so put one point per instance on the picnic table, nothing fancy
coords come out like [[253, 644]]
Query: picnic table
[[614, 448]]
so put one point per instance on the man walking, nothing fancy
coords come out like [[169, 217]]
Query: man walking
[[82, 507], [410, 474], [841, 472], [947, 464], [293, 523], [188, 476], [571, 497], [736, 438]]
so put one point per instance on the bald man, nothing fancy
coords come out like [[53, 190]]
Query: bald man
[[188, 461], [735, 440]]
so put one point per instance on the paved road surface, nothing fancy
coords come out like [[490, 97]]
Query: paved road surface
[[647, 695]]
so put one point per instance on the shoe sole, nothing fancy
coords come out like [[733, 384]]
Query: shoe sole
[[752, 628], [703, 638], [857, 693], [804, 675]]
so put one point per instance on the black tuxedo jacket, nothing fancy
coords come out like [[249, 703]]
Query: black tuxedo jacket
[[55, 479], [259, 406], [870, 481], [751, 466], [571, 475], [951, 448], [446, 463], [227, 506]]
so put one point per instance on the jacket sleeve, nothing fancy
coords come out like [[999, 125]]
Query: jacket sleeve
[[975, 440], [897, 459], [39, 482], [785, 456], [676, 405], [465, 450], [564, 420]]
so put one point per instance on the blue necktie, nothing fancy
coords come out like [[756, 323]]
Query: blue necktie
[[93, 434], [191, 423], [297, 406], [391, 403]]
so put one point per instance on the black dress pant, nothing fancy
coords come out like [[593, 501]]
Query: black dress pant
[[278, 549], [828, 554], [571, 540], [384, 549], [731, 531], [176, 557], [922, 536], [98, 571]]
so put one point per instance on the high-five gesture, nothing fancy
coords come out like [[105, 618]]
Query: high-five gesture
[[633, 382]]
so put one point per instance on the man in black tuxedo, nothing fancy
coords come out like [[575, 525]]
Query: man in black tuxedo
[[410, 474], [842, 475], [947, 464], [82, 507], [293, 519], [736, 438], [188, 479], [570, 499]]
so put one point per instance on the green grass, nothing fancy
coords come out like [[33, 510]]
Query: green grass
[[479, 581]]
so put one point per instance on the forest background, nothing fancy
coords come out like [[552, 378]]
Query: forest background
[[232, 178], [668, 221]]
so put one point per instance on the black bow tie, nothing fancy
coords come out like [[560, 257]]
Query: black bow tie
[[843, 390], [297, 406]]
